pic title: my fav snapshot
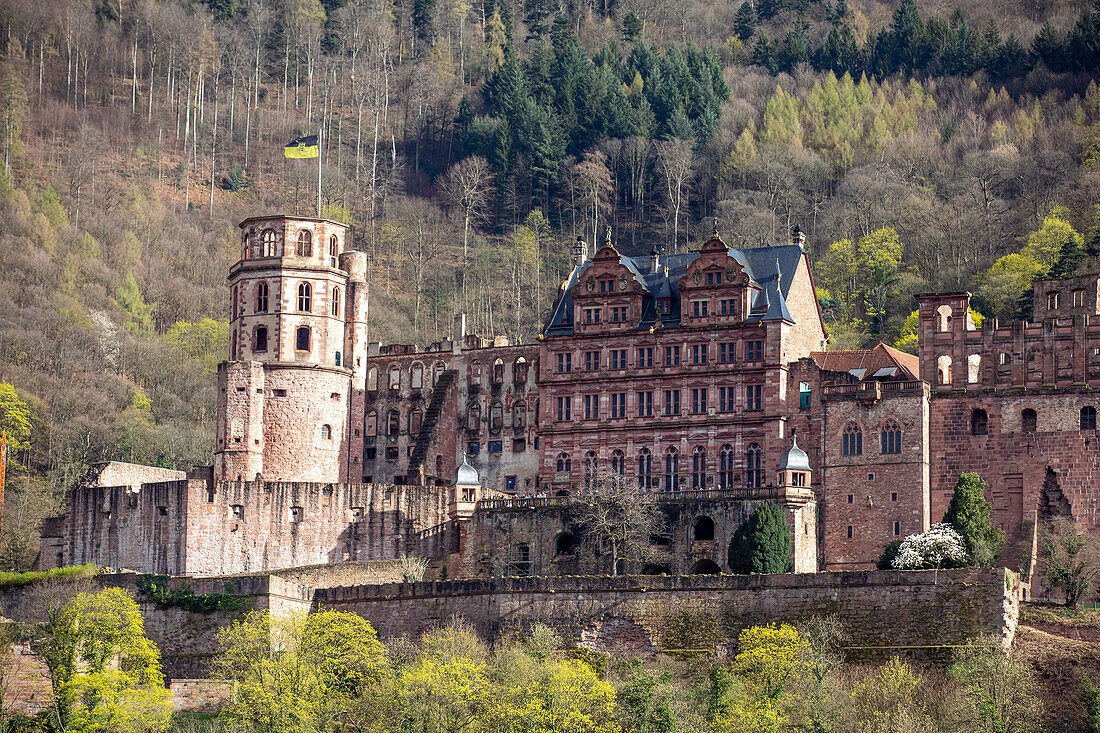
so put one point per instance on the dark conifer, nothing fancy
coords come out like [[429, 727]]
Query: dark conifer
[[745, 23]]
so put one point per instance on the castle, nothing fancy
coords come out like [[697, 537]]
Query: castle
[[701, 377]]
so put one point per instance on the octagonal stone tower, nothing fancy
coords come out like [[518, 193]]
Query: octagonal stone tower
[[290, 396]]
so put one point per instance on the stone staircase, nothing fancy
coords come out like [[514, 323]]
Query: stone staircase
[[431, 417]]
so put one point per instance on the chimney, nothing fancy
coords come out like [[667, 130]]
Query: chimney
[[654, 259], [580, 252], [458, 336], [798, 236]]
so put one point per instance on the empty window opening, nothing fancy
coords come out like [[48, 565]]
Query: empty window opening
[[703, 529], [979, 422]]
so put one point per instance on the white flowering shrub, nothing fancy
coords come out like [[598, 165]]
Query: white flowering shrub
[[941, 546]]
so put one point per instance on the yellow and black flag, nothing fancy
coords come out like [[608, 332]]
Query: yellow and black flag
[[302, 147]]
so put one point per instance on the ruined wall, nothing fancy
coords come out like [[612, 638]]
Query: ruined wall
[[873, 498], [520, 537], [885, 613]]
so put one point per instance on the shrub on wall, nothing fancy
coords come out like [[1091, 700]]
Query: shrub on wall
[[970, 514], [762, 544], [159, 589], [940, 547]]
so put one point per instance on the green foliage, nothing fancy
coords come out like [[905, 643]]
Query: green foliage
[[770, 657], [158, 587], [139, 315], [1000, 686], [206, 341], [643, 702], [9, 581], [15, 419], [50, 204], [1056, 234], [1009, 277], [886, 559], [1070, 559], [1092, 707], [971, 515], [762, 544]]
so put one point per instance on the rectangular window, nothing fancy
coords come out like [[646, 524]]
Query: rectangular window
[[700, 308], [496, 446], [645, 404], [754, 351], [618, 404], [752, 396], [893, 496], [897, 529], [473, 447], [591, 361], [1053, 300], [372, 453], [1078, 298], [391, 453], [645, 357], [699, 353], [607, 286], [592, 315], [725, 399], [714, 278], [565, 363], [565, 409], [728, 306], [618, 314], [725, 352], [591, 407], [699, 401], [519, 445], [672, 402], [510, 483], [851, 498], [849, 531], [672, 356], [662, 306], [804, 395], [618, 358]]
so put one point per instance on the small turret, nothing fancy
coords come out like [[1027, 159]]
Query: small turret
[[794, 467], [580, 252], [798, 236]]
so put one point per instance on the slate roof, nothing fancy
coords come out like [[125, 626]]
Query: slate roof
[[881, 362], [761, 264]]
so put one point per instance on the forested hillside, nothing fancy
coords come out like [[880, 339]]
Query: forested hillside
[[920, 146]]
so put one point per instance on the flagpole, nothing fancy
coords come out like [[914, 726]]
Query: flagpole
[[320, 131]]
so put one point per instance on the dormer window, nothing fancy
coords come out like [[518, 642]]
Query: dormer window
[[662, 306], [607, 286], [714, 278]]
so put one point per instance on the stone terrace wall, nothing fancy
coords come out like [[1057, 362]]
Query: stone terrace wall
[[885, 613]]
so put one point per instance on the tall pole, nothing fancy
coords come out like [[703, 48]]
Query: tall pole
[[320, 131], [3, 476]]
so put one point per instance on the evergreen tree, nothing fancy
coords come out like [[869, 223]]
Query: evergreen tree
[[908, 42], [1069, 259], [796, 50], [745, 23], [763, 55], [535, 14], [423, 13], [762, 544], [679, 126], [632, 28], [970, 514], [767, 8], [1048, 48]]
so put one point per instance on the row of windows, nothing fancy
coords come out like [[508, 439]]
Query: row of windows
[[1029, 420], [416, 374], [670, 405], [1063, 363], [261, 302], [415, 419], [1054, 300], [696, 353], [751, 467], [889, 439], [270, 246]]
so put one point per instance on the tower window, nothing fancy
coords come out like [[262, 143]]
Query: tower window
[[1088, 418], [302, 342], [326, 432], [305, 243], [259, 341], [1029, 420], [336, 302], [338, 358], [305, 298], [261, 298], [891, 437], [333, 249], [270, 247], [979, 422]]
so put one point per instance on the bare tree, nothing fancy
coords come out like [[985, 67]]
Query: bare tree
[[674, 160], [466, 183], [622, 518], [1070, 557], [595, 182]]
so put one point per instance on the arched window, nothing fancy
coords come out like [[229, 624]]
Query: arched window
[[496, 418], [440, 367], [372, 423], [326, 432], [305, 243], [245, 254], [393, 423], [1029, 420], [645, 469], [416, 376], [395, 376], [618, 462], [261, 297], [944, 369], [891, 437], [473, 418], [672, 469], [754, 465], [979, 423], [564, 545], [498, 371], [725, 467], [372, 379], [270, 245], [853, 440], [416, 417], [973, 368], [339, 358], [1088, 418], [333, 250], [564, 464], [519, 415], [259, 339], [591, 467], [699, 467], [943, 318], [702, 529], [705, 567], [302, 342], [305, 298], [336, 302], [519, 371]]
